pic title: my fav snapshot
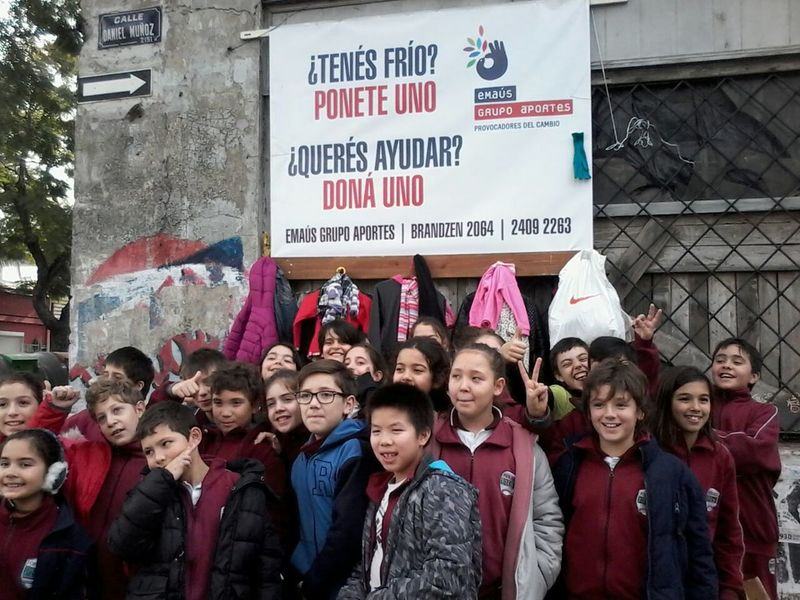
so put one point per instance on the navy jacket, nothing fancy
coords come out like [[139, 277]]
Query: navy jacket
[[680, 562], [65, 563]]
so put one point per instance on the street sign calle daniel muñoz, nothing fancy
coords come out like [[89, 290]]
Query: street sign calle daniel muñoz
[[129, 28], [114, 86]]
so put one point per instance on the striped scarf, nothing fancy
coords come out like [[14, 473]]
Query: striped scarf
[[409, 308]]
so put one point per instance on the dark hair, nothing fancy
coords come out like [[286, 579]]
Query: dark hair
[[27, 379], [346, 332], [341, 375], [607, 346], [565, 345], [104, 387], [496, 362], [437, 326], [661, 422], [136, 365], [43, 442], [378, 362], [435, 355], [407, 399], [238, 377], [469, 335], [205, 360], [756, 361], [285, 376], [296, 356], [621, 376], [176, 416]]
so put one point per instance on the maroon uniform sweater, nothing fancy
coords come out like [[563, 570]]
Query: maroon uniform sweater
[[750, 431], [202, 527], [712, 464], [20, 538], [605, 547]]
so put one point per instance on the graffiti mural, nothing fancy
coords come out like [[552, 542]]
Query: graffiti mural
[[165, 295]]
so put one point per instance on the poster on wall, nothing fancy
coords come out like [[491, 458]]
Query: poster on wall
[[435, 132], [787, 501]]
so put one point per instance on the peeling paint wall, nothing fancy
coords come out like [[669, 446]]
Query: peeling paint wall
[[168, 206]]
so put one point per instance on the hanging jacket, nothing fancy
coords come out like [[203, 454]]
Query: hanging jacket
[[433, 545], [429, 305], [64, 565], [385, 313], [329, 481], [521, 525], [750, 429], [285, 307], [677, 560], [307, 322], [255, 327], [713, 465], [151, 533], [498, 287]]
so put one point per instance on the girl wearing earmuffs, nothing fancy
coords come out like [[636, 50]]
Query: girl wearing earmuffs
[[44, 553]]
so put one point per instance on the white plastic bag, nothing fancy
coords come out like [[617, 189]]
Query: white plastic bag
[[586, 305]]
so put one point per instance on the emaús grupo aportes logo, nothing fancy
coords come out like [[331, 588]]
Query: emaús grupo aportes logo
[[489, 58]]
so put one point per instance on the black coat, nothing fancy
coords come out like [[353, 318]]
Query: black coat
[[65, 562], [150, 533], [384, 314]]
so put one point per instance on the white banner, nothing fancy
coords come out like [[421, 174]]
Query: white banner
[[435, 132]]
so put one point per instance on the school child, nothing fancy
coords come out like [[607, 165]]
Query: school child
[[422, 530], [337, 337], [749, 429], [569, 360], [369, 369], [237, 396], [681, 424], [194, 528], [101, 473], [425, 364], [329, 479], [283, 413], [20, 396], [363, 359], [193, 389], [129, 364], [280, 356], [431, 327], [46, 554], [636, 510], [521, 523]]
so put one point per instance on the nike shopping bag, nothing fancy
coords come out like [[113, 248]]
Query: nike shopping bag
[[586, 305]]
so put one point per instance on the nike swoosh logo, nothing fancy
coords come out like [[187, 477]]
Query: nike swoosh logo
[[575, 300]]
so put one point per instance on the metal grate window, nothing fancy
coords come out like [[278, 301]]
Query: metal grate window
[[699, 211]]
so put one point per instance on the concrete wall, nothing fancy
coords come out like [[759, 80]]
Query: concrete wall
[[168, 206]]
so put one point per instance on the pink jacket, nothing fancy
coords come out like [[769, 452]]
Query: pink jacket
[[498, 286], [255, 328]]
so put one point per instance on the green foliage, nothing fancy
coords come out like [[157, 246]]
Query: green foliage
[[39, 42]]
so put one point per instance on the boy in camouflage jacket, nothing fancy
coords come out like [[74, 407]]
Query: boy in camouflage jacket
[[422, 532]]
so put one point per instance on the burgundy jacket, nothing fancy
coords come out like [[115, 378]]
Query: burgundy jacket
[[750, 431], [605, 549], [712, 464], [255, 327]]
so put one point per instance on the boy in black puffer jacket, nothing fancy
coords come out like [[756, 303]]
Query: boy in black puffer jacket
[[196, 530]]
